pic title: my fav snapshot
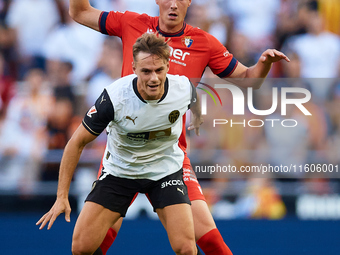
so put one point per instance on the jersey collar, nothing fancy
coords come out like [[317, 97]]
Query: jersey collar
[[179, 33], [166, 89]]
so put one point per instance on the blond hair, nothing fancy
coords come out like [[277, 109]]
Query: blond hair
[[153, 44]]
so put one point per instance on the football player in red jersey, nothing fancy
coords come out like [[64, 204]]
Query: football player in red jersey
[[191, 51]]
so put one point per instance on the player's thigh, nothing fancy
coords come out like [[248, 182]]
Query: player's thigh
[[193, 186], [203, 220], [116, 227], [92, 224], [178, 222]]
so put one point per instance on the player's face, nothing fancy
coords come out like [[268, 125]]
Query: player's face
[[151, 71], [172, 14]]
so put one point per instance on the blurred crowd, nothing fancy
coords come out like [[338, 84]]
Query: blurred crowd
[[53, 69]]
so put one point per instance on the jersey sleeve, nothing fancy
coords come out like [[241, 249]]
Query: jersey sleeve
[[193, 95], [221, 62], [99, 115], [111, 23]]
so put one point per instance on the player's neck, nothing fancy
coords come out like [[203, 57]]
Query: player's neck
[[170, 29]]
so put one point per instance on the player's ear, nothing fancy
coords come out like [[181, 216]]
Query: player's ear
[[133, 67], [189, 3], [157, 2]]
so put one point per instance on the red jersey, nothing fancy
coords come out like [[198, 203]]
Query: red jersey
[[192, 49]]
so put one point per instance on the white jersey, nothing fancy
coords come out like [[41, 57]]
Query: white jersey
[[143, 135]]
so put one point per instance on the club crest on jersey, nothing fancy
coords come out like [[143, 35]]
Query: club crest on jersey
[[93, 110], [173, 116], [187, 41]]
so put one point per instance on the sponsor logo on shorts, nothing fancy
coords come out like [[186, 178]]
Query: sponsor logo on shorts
[[172, 183], [180, 190], [93, 185]]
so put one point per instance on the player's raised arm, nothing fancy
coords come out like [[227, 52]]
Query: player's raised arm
[[259, 71], [68, 165], [83, 13]]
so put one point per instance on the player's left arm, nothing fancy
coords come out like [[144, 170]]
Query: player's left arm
[[224, 65], [195, 108], [254, 76]]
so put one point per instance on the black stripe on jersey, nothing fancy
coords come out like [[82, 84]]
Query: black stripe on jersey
[[166, 89], [135, 89], [193, 95], [230, 69], [179, 33], [102, 22], [96, 121]]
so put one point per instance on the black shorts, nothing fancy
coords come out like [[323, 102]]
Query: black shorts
[[116, 193]]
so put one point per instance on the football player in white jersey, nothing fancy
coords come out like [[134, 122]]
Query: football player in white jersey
[[142, 114]]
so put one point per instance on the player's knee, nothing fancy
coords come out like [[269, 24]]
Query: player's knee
[[79, 248], [186, 248]]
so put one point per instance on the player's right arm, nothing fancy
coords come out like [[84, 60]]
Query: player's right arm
[[68, 165], [82, 12], [94, 122]]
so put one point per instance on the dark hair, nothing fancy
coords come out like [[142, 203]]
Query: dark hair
[[310, 5], [153, 44]]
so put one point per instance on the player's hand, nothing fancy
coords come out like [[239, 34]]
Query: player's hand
[[195, 123], [60, 206], [272, 55]]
